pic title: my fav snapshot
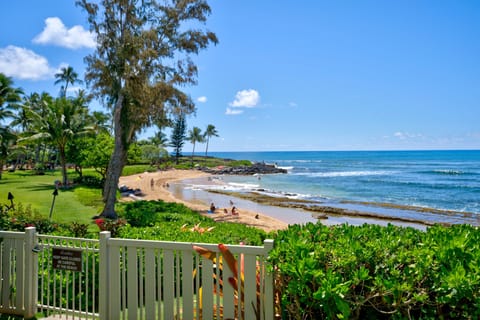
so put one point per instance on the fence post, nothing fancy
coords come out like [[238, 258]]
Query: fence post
[[103, 281], [269, 307], [31, 273]]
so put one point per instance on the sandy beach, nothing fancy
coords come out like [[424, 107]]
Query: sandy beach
[[159, 191]]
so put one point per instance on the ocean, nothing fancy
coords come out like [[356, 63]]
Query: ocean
[[431, 186]]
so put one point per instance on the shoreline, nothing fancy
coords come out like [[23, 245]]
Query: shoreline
[[169, 186], [160, 191]]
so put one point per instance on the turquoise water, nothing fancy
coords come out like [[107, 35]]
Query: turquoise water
[[444, 180]]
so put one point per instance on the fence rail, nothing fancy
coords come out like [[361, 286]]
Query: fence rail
[[115, 278]]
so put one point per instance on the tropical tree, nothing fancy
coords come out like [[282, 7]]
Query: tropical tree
[[142, 58], [97, 155], [9, 95], [67, 76], [101, 121], [178, 137], [64, 120], [38, 104], [209, 132], [159, 139], [9, 99], [7, 140], [194, 136]]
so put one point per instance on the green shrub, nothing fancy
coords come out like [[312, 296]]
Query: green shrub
[[138, 214], [90, 181], [79, 230], [176, 222], [19, 217], [372, 272]]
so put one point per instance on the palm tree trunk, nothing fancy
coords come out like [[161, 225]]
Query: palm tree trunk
[[63, 161], [206, 148], [115, 166], [193, 152]]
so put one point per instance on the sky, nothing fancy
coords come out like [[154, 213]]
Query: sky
[[296, 75]]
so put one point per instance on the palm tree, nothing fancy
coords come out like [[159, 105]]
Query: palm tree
[[209, 132], [38, 104], [159, 139], [7, 140], [68, 76], [102, 122], [64, 120], [194, 136], [9, 97]]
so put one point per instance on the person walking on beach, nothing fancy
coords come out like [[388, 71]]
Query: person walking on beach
[[152, 183]]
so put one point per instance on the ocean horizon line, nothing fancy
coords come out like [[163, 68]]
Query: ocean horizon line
[[211, 153]]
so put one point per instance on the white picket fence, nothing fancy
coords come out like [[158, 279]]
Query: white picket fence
[[137, 279]]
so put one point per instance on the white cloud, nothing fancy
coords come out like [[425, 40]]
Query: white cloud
[[406, 135], [202, 99], [293, 104], [22, 63], [56, 33], [246, 98], [233, 112]]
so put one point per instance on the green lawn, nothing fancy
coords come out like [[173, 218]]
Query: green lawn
[[78, 204]]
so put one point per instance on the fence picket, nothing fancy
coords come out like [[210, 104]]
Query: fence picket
[[168, 291], [187, 284], [132, 283], [150, 281]]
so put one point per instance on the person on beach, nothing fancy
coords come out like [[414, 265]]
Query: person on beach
[[225, 210], [212, 208], [152, 183], [234, 211]]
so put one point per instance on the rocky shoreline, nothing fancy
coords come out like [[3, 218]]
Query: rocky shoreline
[[321, 211], [255, 168]]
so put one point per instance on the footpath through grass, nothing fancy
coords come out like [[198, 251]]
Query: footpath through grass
[[75, 204]]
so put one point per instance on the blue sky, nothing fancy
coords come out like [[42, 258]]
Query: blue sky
[[298, 75]]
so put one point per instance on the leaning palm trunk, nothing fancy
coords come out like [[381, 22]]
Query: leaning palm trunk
[[116, 164]]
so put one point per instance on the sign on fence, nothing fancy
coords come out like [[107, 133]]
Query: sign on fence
[[67, 259]]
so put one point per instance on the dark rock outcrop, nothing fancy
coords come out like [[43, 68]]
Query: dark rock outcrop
[[256, 168]]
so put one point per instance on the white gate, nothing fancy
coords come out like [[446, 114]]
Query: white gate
[[68, 276], [18, 283]]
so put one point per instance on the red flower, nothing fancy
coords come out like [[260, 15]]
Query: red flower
[[100, 223]]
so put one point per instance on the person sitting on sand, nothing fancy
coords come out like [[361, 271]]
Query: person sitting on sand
[[212, 208], [234, 211], [225, 210]]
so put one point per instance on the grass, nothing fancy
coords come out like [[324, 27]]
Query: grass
[[77, 204]]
